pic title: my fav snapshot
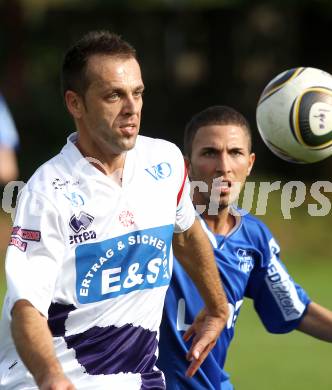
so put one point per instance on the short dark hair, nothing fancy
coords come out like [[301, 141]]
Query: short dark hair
[[74, 75], [215, 115]]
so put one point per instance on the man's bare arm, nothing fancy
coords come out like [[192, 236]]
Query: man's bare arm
[[8, 165], [317, 322], [33, 341]]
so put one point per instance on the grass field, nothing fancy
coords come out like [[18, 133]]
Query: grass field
[[261, 361]]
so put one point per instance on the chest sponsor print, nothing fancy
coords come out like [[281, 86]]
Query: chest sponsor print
[[120, 265]]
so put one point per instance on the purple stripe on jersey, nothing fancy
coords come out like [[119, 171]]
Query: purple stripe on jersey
[[153, 380], [111, 350], [57, 315]]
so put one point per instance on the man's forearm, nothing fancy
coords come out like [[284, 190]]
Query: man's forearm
[[34, 342], [193, 249], [8, 165], [317, 322]]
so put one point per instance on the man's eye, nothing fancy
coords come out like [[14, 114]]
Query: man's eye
[[112, 96], [209, 153], [237, 152], [138, 93]]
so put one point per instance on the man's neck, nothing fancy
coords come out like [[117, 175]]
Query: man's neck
[[222, 223], [111, 167]]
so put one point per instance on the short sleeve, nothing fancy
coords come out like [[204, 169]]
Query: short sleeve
[[35, 252], [8, 132], [185, 211], [279, 301]]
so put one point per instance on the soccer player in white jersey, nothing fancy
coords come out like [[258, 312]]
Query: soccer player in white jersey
[[90, 255], [217, 145]]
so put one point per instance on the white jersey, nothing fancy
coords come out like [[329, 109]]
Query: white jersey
[[95, 258]]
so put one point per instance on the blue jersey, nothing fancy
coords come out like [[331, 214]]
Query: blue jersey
[[249, 265]]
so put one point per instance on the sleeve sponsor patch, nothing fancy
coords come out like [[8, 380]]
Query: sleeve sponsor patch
[[16, 241], [284, 291], [26, 234], [19, 237]]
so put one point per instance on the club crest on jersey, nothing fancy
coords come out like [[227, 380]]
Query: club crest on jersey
[[160, 171], [82, 222], [246, 261], [126, 218]]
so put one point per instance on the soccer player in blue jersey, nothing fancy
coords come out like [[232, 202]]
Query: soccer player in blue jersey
[[217, 146]]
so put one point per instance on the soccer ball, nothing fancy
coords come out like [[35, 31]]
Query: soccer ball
[[294, 115]]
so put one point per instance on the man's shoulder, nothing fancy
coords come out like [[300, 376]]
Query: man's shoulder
[[155, 146], [251, 221], [50, 175], [260, 235]]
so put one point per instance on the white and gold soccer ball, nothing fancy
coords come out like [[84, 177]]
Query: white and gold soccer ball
[[294, 115]]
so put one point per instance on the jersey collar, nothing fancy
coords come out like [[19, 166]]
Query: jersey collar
[[238, 220], [81, 165]]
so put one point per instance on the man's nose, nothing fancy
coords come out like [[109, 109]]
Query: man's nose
[[223, 163], [131, 105]]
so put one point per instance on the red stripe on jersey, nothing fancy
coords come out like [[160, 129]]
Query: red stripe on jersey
[[182, 185]]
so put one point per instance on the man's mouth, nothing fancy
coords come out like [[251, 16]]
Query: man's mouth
[[128, 128], [222, 183]]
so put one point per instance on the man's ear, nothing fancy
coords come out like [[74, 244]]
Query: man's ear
[[252, 158], [74, 103], [187, 164]]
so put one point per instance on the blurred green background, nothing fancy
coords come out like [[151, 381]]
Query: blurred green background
[[194, 53]]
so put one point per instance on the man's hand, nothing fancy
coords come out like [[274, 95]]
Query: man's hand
[[56, 382], [206, 330]]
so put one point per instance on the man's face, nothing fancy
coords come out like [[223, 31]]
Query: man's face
[[110, 113], [220, 157]]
